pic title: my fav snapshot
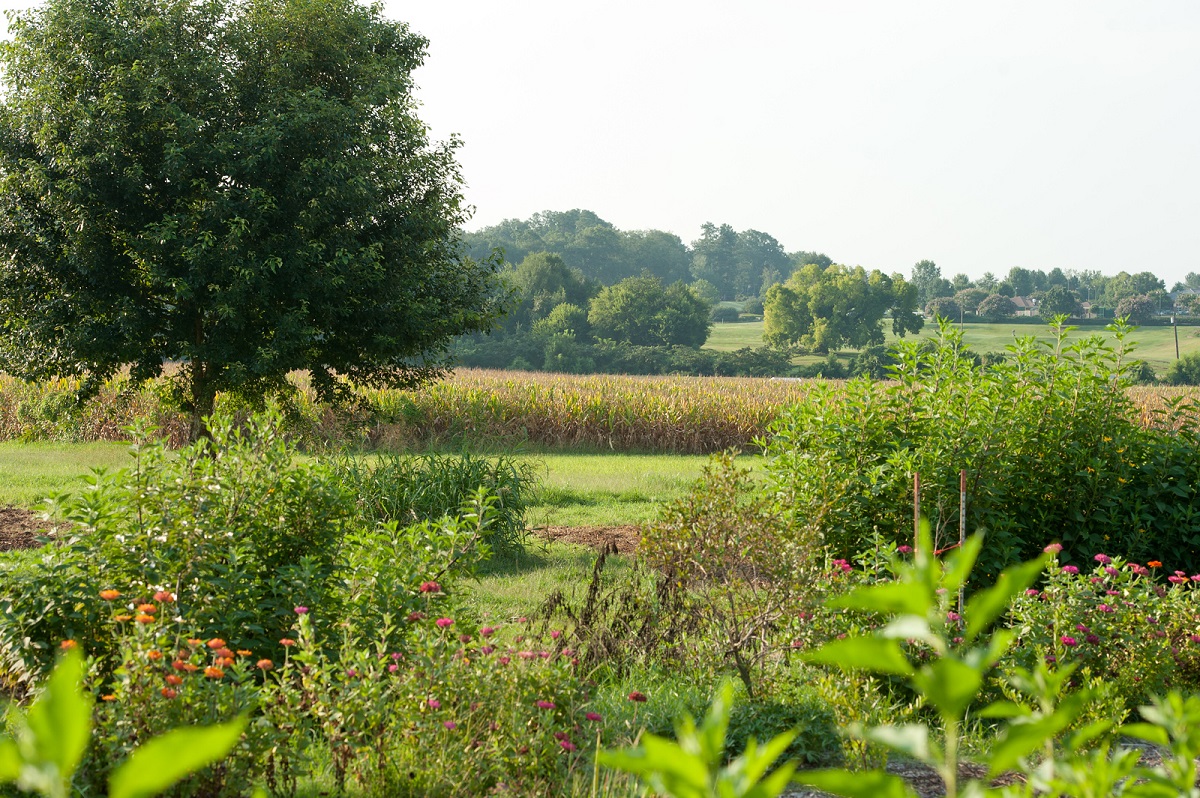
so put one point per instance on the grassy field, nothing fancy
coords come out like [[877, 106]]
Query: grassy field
[[1155, 345], [575, 489]]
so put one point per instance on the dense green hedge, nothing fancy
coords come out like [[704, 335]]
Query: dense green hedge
[[1053, 449]]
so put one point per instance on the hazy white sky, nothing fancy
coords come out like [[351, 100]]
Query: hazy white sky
[[982, 136]]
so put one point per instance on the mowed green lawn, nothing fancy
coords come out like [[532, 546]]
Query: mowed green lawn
[[574, 489], [1155, 345]]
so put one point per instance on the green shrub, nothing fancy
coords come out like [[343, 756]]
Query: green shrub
[[724, 314], [1050, 441], [1185, 371], [408, 489], [235, 526]]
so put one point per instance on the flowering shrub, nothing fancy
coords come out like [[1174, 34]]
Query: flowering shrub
[[452, 713], [162, 678], [1117, 622]]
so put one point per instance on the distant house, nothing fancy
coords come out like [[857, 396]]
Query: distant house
[[1026, 306], [1088, 310], [1184, 299]]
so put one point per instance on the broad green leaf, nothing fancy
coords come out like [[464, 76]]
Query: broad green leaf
[[10, 760], [61, 718], [868, 784], [1021, 739], [987, 605], [910, 738], [1004, 709], [756, 760], [1082, 739], [907, 627], [949, 684], [1146, 731], [774, 784], [897, 598], [863, 653], [166, 759], [961, 561]]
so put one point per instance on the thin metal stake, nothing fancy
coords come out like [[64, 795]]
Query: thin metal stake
[[962, 524]]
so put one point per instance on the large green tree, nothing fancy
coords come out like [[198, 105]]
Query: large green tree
[[243, 187], [642, 311], [826, 308]]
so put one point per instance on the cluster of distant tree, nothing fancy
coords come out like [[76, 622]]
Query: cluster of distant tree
[[581, 290]]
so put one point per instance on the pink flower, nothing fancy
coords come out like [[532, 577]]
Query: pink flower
[[302, 610], [1177, 580], [444, 622], [1070, 569], [904, 549], [1053, 548], [1112, 592], [842, 565], [567, 745], [1031, 592], [556, 634], [393, 668], [952, 616], [638, 696], [464, 638], [486, 650], [545, 705], [1103, 559], [526, 654], [434, 703], [1106, 608], [1093, 640], [449, 724], [416, 616], [592, 716], [1080, 628], [1067, 640], [430, 587], [487, 631], [504, 660], [1110, 570]]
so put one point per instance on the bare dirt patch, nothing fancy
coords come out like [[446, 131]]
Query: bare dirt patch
[[19, 529], [625, 538]]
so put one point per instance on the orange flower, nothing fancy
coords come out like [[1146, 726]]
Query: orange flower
[[287, 642], [180, 665], [244, 653], [194, 642], [164, 596], [148, 609], [122, 618], [108, 697], [216, 642], [144, 618], [67, 645], [110, 595], [224, 653], [214, 673], [172, 679], [224, 662], [1154, 564], [264, 665], [167, 692], [154, 654]]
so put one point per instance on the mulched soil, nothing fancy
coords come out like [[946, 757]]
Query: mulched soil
[[19, 529], [597, 537]]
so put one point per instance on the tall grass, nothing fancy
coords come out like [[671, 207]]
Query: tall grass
[[473, 408]]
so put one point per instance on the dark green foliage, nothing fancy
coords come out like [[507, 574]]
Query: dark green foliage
[[242, 187], [724, 314], [996, 308], [824, 309], [1185, 371], [1058, 301], [242, 531], [233, 526], [411, 489], [1135, 309], [1052, 447], [943, 306], [644, 312]]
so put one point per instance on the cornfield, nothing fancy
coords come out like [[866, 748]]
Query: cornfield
[[498, 409]]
